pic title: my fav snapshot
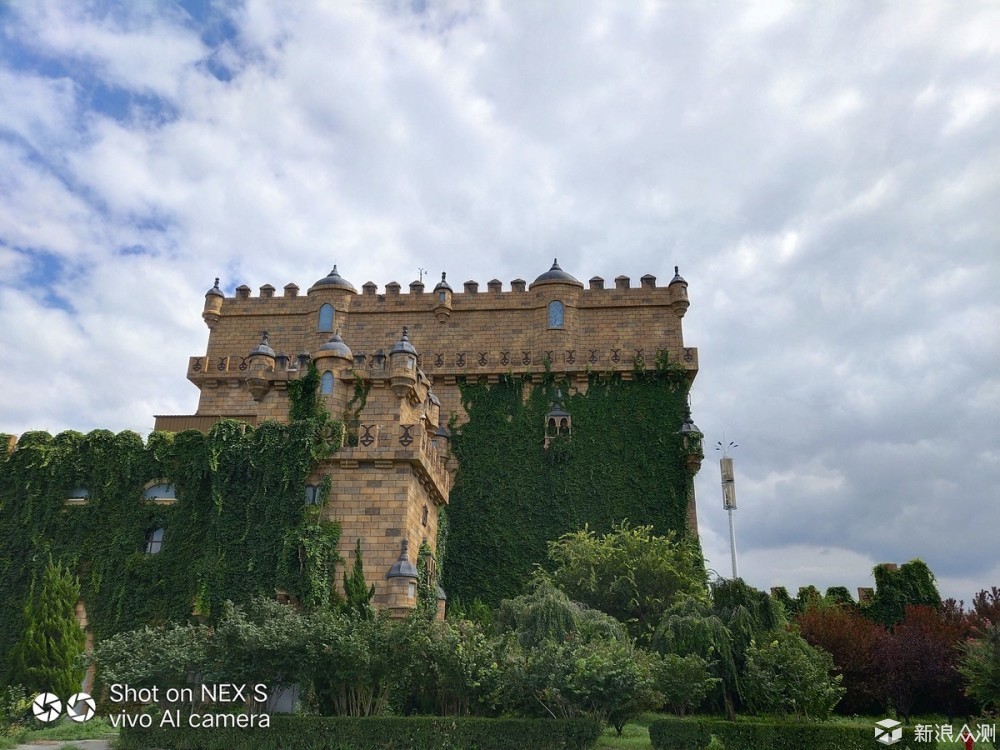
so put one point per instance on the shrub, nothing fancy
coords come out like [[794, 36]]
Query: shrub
[[694, 734], [375, 733]]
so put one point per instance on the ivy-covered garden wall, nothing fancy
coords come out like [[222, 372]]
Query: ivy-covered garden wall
[[239, 528], [512, 496]]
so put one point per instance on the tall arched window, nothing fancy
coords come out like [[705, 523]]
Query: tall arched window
[[555, 314], [326, 318], [326, 383]]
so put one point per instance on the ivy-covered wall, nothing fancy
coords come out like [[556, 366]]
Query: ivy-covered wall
[[512, 496], [240, 527]]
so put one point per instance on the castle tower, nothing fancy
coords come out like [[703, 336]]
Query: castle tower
[[396, 386]]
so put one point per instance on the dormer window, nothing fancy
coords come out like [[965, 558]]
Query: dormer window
[[325, 318], [555, 314]]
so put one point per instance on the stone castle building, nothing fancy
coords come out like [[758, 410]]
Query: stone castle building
[[407, 352]]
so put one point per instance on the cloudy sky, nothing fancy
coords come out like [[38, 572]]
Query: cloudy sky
[[826, 175]]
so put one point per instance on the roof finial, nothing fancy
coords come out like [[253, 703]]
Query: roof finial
[[677, 269], [443, 274], [216, 283], [405, 333], [263, 337]]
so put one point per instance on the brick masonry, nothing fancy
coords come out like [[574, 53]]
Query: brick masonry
[[391, 485]]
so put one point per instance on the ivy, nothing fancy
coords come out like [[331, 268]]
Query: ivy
[[511, 497], [240, 497]]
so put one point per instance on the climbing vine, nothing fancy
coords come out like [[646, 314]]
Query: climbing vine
[[512, 496], [240, 497]]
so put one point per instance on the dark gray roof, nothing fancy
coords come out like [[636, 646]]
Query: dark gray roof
[[556, 275], [337, 346], [215, 291], [678, 279], [336, 281], [403, 345], [443, 284]]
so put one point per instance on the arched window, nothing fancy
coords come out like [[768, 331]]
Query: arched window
[[555, 314], [326, 383], [159, 491], [326, 318]]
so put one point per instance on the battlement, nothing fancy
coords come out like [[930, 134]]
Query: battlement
[[418, 289]]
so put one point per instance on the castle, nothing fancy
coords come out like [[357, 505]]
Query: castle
[[391, 365]]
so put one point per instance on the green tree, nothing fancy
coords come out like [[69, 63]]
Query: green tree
[[149, 657], [546, 613], [911, 584], [259, 642], [980, 665], [46, 657], [786, 675], [683, 681], [628, 573], [357, 593]]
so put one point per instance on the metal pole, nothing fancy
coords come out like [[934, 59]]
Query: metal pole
[[732, 544]]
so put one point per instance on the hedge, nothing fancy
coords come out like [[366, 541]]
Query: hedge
[[695, 734], [375, 733]]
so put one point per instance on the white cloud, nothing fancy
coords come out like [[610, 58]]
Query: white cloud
[[826, 178]]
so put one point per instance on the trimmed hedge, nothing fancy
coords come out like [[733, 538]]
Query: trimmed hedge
[[695, 734], [375, 733]]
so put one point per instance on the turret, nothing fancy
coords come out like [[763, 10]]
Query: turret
[[403, 366], [333, 357], [679, 293], [213, 305], [442, 297], [261, 362], [402, 580]]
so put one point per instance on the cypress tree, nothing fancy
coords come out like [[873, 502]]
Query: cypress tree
[[357, 593], [45, 659]]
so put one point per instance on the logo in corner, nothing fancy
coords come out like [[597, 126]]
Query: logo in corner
[[888, 731], [46, 707], [80, 707]]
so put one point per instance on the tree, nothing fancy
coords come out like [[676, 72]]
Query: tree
[[690, 628], [911, 584], [628, 573], [161, 657], [547, 614], [854, 642], [919, 660], [980, 665], [683, 681], [357, 593], [784, 674], [46, 657]]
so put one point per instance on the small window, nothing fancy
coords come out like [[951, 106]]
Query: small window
[[326, 383], [423, 518], [312, 494], [326, 318], [441, 297], [154, 541], [555, 314], [78, 496], [159, 491]]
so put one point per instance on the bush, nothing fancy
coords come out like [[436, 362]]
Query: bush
[[694, 734], [375, 733]]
